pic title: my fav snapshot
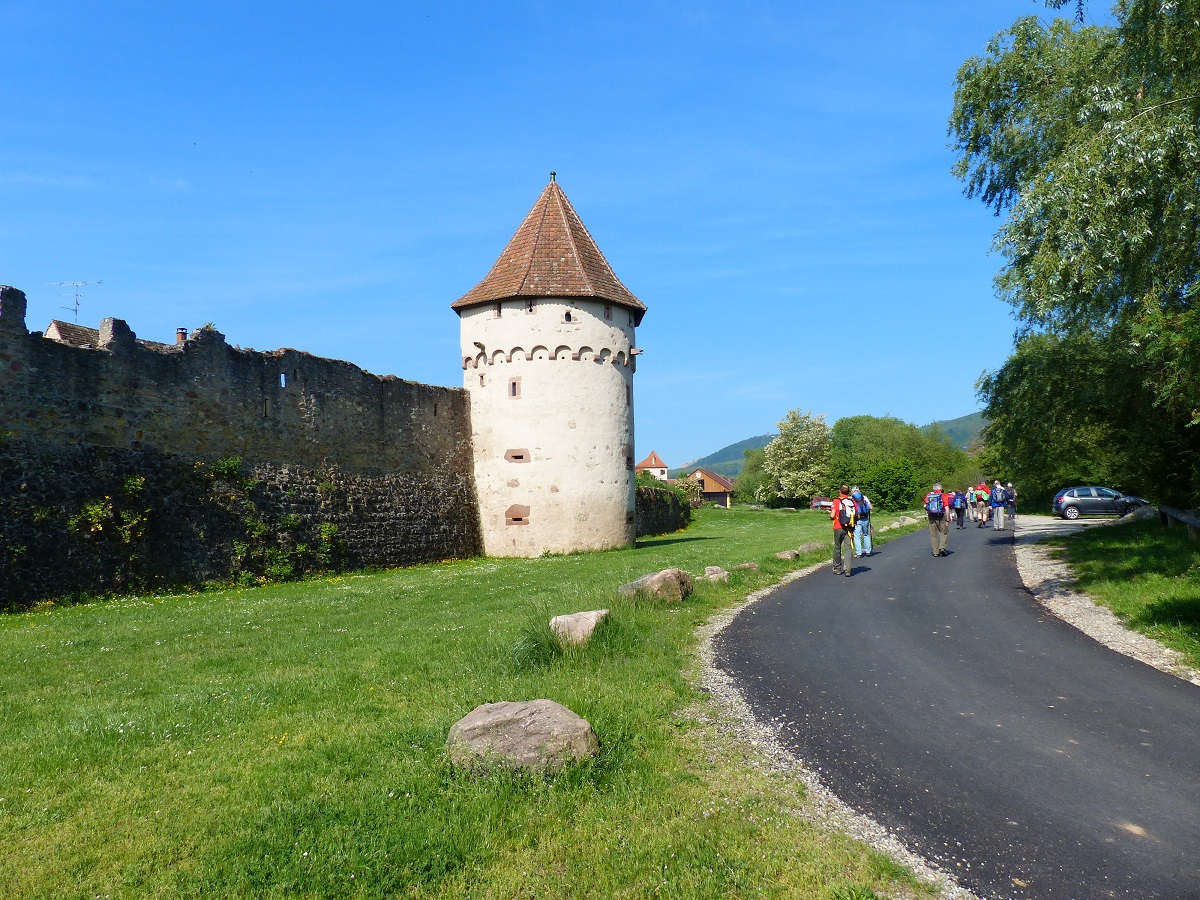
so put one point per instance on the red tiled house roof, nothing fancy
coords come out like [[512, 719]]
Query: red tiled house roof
[[653, 461], [552, 255]]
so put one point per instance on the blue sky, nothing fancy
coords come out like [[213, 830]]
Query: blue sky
[[770, 179]]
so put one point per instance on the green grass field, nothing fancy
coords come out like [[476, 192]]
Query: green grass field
[[1147, 574], [288, 741]]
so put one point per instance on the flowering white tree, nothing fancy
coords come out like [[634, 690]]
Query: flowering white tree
[[800, 460]]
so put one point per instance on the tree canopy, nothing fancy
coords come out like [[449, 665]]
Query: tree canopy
[[1087, 140]]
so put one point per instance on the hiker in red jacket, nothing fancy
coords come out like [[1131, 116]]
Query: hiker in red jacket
[[936, 503], [842, 514]]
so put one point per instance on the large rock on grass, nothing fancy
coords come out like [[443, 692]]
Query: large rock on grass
[[811, 546], [786, 554], [531, 736], [576, 629], [671, 585]]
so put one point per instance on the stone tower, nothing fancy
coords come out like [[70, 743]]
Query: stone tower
[[548, 360]]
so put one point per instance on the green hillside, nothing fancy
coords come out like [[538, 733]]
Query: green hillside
[[963, 430], [728, 460]]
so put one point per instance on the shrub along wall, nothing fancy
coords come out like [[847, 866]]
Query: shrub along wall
[[661, 511]]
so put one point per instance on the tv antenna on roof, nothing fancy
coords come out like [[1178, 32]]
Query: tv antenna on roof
[[77, 285]]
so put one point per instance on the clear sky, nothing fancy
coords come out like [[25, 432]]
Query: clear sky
[[771, 179]]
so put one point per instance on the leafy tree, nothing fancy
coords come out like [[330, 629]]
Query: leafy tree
[[798, 460], [1088, 140], [753, 479], [861, 443], [892, 484]]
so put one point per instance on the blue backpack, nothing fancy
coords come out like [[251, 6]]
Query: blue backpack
[[864, 510], [959, 501], [934, 504]]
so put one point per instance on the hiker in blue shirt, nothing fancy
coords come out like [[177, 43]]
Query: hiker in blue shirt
[[998, 502], [862, 523]]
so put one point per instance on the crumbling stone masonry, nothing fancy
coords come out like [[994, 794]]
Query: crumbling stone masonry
[[135, 464]]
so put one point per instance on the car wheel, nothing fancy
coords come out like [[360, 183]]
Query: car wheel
[[1070, 512]]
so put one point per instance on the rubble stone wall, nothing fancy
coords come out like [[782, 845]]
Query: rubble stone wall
[[321, 442]]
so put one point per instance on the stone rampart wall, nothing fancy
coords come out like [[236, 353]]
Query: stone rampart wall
[[382, 463]]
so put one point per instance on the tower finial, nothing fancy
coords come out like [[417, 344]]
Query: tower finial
[[553, 175]]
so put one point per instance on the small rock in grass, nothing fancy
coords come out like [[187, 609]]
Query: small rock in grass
[[576, 629], [715, 573], [533, 735], [672, 585], [811, 546], [787, 554], [748, 566]]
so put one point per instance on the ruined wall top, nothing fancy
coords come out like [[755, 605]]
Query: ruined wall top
[[205, 399]]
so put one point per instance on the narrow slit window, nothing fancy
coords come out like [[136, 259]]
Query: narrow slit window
[[514, 388], [608, 311], [567, 317], [497, 310], [283, 379], [516, 514], [481, 381], [518, 455]]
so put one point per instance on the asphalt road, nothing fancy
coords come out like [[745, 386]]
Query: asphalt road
[[935, 695]]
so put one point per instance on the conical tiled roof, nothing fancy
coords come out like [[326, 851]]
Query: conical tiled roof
[[552, 255]]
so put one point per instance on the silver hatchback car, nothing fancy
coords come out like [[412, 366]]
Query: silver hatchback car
[[1071, 503]]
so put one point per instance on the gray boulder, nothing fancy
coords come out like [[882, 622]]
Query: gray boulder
[[1142, 512], [672, 585], [533, 736], [810, 546], [576, 629], [715, 573], [786, 554], [748, 566]]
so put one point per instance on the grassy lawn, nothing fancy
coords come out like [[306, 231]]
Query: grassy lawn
[[289, 740], [1147, 574]]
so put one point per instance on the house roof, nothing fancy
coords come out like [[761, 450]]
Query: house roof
[[70, 333], [724, 483], [653, 461], [89, 338], [552, 255]]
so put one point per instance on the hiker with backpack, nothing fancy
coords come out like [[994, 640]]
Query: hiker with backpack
[[935, 503], [981, 504], [1011, 494], [998, 500], [862, 523], [959, 504], [842, 513]]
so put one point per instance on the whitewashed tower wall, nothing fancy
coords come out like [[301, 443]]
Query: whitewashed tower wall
[[548, 342]]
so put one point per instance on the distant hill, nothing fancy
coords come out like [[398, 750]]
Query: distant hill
[[962, 430], [727, 461]]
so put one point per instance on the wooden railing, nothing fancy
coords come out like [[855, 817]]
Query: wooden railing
[[1169, 516]]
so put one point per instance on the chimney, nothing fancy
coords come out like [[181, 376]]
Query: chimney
[[180, 335]]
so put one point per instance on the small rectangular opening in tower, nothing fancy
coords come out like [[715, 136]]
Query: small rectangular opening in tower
[[518, 455], [514, 388], [516, 514], [497, 309], [608, 311], [530, 306], [283, 379]]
